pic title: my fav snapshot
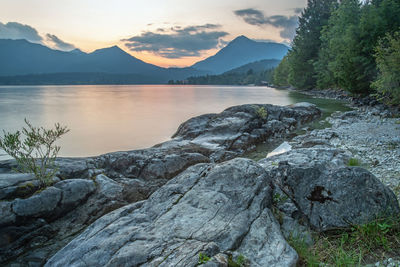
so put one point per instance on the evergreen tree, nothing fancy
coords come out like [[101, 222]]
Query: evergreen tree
[[388, 60], [306, 44], [281, 73], [346, 58], [340, 61], [378, 18]]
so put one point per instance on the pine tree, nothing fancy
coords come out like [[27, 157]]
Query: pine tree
[[340, 59], [307, 43], [281, 73]]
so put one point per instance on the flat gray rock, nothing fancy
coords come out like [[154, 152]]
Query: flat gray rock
[[208, 208]]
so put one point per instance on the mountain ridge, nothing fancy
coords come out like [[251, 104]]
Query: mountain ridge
[[24, 62]]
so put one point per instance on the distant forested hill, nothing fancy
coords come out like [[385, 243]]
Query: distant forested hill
[[259, 73]]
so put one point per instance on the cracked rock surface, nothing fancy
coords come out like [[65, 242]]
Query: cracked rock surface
[[209, 208]]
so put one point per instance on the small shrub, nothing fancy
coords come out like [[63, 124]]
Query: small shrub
[[278, 198], [261, 113], [353, 162], [203, 258], [34, 149], [240, 261], [387, 55]]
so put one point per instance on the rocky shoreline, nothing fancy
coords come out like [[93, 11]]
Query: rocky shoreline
[[370, 133], [165, 205]]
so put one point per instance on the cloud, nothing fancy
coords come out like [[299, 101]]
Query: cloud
[[15, 30], [177, 41], [57, 43], [287, 24]]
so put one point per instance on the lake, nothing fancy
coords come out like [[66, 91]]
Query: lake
[[108, 118]]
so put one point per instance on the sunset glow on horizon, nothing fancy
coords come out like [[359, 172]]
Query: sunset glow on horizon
[[173, 33]]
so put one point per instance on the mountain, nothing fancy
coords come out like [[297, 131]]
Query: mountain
[[20, 57], [257, 66], [239, 52], [258, 73], [22, 62]]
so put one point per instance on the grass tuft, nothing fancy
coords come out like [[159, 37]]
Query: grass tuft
[[358, 246], [353, 162]]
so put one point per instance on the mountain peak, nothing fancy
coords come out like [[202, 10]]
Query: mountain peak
[[240, 38], [239, 52], [115, 47], [112, 49], [77, 51]]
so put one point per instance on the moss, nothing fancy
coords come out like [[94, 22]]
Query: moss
[[26, 190], [353, 162]]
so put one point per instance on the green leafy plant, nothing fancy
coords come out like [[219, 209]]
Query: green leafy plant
[[387, 55], [357, 246], [203, 258], [278, 198], [240, 261], [34, 149], [261, 113], [307, 255], [353, 162]]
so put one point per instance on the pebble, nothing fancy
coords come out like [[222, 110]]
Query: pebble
[[374, 141]]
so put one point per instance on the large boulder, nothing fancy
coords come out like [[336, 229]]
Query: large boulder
[[208, 208], [239, 128], [327, 194]]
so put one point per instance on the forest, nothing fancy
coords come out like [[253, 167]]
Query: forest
[[251, 76], [350, 44]]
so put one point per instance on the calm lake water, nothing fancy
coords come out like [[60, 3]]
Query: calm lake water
[[122, 117]]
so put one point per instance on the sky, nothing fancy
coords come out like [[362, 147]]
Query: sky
[[168, 33]]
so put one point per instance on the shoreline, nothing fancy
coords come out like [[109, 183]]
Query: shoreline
[[359, 131], [205, 151]]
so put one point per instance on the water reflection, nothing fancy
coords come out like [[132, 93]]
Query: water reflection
[[124, 117]]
